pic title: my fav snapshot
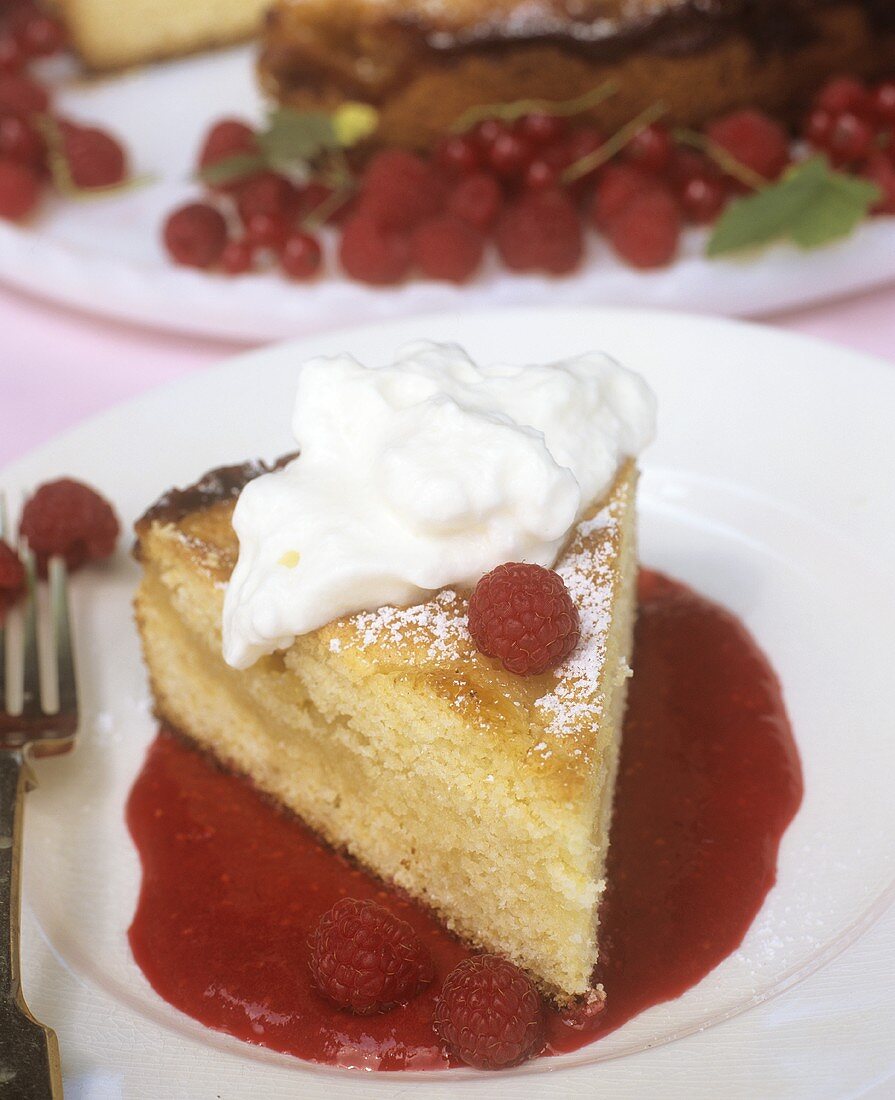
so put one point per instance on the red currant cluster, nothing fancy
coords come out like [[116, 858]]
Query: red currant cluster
[[92, 157], [260, 216], [854, 125]]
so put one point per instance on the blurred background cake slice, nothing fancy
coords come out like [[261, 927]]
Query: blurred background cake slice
[[422, 63], [109, 34]]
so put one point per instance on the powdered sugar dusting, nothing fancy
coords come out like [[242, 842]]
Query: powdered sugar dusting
[[589, 577], [439, 625]]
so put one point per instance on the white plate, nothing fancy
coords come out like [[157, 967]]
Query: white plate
[[770, 489], [105, 257]]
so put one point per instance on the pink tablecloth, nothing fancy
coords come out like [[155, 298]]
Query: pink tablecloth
[[58, 367]]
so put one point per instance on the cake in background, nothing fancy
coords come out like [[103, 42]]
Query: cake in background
[[109, 34], [423, 63]]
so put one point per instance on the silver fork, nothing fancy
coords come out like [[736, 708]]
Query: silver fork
[[29, 1052]]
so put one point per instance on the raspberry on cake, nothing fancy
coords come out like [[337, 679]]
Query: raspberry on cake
[[315, 637]]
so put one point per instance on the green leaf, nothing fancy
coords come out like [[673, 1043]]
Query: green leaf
[[297, 136], [811, 205], [233, 168]]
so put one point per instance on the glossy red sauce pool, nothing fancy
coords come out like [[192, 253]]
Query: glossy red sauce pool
[[710, 778]]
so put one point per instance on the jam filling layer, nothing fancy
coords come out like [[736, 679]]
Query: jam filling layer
[[709, 780]]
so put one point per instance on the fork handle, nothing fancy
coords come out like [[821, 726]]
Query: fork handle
[[29, 1053]]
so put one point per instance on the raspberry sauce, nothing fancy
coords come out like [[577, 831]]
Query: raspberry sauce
[[709, 780]]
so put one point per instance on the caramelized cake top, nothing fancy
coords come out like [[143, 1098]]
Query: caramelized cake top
[[548, 721]]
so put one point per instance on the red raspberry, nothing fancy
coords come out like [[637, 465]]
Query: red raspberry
[[850, 140], [266, 193], [881, 171], [646, 230], [457, 155], [12, 578], [94, 157], [618, 184], [509, 155], [541, 231], [445, 247], [373, 254], [541, 129], [489, 1013], [22, 96], [651, 150], [367, 960], [754, 139], [399, 190], [19, 141], [476, 200], [702, 198], [228, 138], [300, 256], [238, 257], [19, 190], [523, 615], [843, 93], [40, 34], [68, 518], [195, 235]]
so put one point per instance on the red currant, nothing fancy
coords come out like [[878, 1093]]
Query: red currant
[[485, 133], [22, 95], [703, 198], [41, 35], [238, 257], [457, 155], [12, 56], [843, 93], [540, 173], [582, 142], [818, 127], [651, 149], [19, 141], [509, 155], [539, 128], [266, 230], [19, 190], [300, 256], [266, 193], [850, 140], [195, 235], [231, 137], [883, 101]]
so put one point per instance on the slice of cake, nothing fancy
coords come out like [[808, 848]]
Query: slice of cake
[[422, 63], [109, 34], [486, 795]]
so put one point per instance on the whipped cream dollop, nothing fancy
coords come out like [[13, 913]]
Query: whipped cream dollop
[[421, 474]]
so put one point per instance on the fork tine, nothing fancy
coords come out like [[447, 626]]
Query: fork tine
[[4, 530], [62, 641], [31, 703]]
